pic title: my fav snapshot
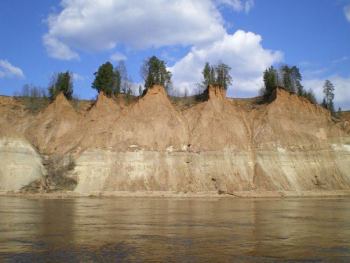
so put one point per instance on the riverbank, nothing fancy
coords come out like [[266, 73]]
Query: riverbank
[[167, 194]]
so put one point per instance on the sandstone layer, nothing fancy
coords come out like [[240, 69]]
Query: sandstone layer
[[220, 145]]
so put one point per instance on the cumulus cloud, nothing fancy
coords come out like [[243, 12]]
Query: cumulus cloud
[[102, 24], [9, 70], [347, 12], [342, 89], [242, 51], [97, 25], [117, 56], [57, 49]]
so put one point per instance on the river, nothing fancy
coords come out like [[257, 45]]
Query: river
[[174, 229]]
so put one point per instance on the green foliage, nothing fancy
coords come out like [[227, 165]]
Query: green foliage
[[270, 81], [328, 91], [61, 82], [218, 75], [207, 75], [289, 78], [223, 77], [154, 72], [107, 80]]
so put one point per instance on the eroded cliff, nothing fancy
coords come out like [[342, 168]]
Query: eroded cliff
[[219, 145]]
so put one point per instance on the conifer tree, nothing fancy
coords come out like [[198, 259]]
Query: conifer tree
[[270, 81], [328, 91], [107, 80], [154, 72], [61, 82]]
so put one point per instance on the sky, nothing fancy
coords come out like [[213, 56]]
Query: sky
[[40, 38]]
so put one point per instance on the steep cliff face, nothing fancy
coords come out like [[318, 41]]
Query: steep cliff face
[[52, 130], [151, 123], [20, 164], [219, 145], [217, 124]]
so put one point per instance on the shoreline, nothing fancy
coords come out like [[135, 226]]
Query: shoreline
[[167, 194]]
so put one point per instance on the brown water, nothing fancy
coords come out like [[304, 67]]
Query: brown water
[[168, 230]]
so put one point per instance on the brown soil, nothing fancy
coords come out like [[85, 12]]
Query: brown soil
[[154, 122]]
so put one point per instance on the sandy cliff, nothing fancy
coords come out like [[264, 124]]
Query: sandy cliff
[[219, 145]]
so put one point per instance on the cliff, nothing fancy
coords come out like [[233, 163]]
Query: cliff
[[219, 145]]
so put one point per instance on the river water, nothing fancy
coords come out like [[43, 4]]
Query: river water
[[173, 229]]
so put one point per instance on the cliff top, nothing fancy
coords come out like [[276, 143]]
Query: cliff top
[[154, 122]]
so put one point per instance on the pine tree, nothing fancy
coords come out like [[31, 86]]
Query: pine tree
[[223, 77], [207, 79], [218, 75], [107, 80], [286, 72], [296, 80], [154, 72], [270, 81], [61, 82], [328, 91]]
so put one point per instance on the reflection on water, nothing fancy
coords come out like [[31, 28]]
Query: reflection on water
[[160, 229]]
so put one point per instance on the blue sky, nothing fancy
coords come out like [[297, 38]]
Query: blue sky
[[39, 38]]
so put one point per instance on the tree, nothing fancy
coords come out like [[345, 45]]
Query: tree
[[270, 81], [116, 83], [328, 91], [223, 77], [286, 78], [218, 75], [296, 78], [34, 98], [107, 80], [61, 82], [291, 79], [154, 72], [310, 95], [140, 90], [32, 91], [124, 78], [207, 76]]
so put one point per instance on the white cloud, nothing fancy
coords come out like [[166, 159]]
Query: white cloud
[[117, 56], [102, 24], [237, 5], [57, 49], [341, 91], [347, 12], [242, 51], [9, 70]]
